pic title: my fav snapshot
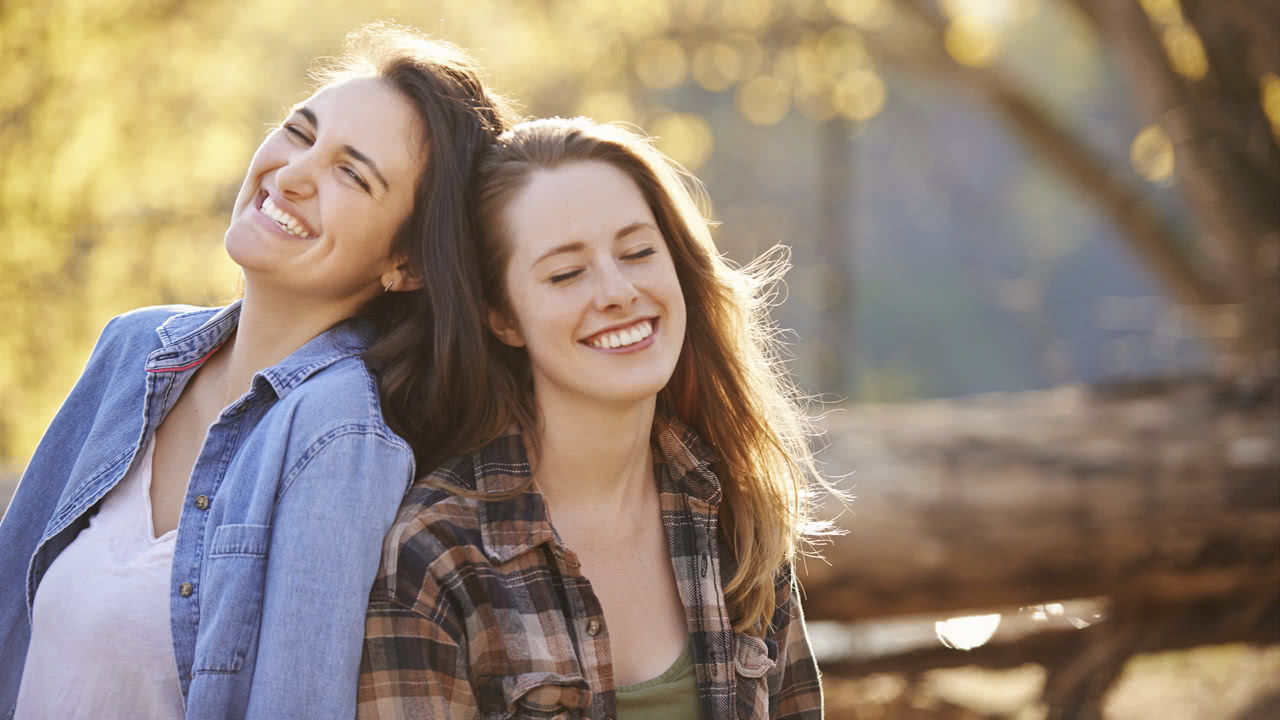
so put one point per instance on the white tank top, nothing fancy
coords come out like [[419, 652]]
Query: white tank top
[[101, 646]]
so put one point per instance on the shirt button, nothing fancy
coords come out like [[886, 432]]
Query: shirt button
[[202, 502], [593, 627], [185, 589]]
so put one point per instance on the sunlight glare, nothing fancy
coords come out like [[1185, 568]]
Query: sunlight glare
[[967, 632]]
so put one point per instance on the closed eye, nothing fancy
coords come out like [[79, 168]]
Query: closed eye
[[639, 254], [561, 277], [298, 133], [356, 176]]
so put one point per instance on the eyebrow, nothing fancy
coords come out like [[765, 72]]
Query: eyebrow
[[578, 246], [348, 149]]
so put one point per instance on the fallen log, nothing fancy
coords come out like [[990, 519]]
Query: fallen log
[[1149, 630], [1152, 494]]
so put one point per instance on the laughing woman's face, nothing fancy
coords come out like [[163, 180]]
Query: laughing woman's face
[[326, 193]]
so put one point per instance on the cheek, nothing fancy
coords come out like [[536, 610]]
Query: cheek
[[672, 294], [271, 153]]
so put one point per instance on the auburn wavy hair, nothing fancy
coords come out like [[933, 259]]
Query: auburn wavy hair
[[729, 383]]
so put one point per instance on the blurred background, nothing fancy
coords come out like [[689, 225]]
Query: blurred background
[[1036, 283]]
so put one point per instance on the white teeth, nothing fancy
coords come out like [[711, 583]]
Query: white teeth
[[283, 219], [626, 336]]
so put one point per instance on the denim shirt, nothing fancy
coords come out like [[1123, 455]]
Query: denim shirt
[[278, 541]]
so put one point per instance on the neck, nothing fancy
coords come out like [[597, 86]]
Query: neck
[[270, 328], [594, 457]]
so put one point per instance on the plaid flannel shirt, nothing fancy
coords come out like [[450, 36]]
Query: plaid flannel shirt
[[479, 611]]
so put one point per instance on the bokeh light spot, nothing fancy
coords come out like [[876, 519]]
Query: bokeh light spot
[[685, 137], [971, 42], [860, 95], [608, 106], [1269, 89], [661, 64], [717, 66], [748, 14], [1185, 51], [763, 100], [992, 13], [841, 50], [1152, 154], [641, 19], [870, 14], [815, 102]]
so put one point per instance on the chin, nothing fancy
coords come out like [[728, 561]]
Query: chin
[[631, 393], [244, 248]]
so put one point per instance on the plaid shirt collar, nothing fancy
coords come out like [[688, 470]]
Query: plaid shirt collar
[[503, 465]]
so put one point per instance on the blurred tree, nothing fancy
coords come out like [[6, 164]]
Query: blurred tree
[[1207, 74], [125, 126]]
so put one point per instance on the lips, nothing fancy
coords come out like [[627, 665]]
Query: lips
[[621, 336], [288, 221]]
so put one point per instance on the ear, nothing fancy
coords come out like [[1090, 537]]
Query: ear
[[403, 278], [505, 329]]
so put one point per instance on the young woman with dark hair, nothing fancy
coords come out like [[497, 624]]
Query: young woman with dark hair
[[614, 536], [197, 532]]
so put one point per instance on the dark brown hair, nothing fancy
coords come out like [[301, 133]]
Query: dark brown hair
[[458, 118], [728, 384]]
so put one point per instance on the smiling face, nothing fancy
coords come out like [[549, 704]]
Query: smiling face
[[325, 194], [592, 290]]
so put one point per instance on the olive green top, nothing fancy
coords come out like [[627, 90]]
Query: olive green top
[[673, 695]]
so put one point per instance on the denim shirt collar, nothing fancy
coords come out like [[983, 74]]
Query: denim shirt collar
[[515, 525], [188, 339]]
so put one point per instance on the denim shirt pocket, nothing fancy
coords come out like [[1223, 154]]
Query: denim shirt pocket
[[751, 664], [231, 597]]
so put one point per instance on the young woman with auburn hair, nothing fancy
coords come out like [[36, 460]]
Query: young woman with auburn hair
[[198, 530], [615, 534]]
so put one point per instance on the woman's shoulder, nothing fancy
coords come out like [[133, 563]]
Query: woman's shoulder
[[444, 502], [434, 526], [328, 392], [441, 510], [143, 324]]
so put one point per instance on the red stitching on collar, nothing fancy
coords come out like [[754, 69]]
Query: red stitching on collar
[[188, 366]]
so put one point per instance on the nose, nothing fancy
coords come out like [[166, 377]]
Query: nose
[[614, 290], [296, 178]]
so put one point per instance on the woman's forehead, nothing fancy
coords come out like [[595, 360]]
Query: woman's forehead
[[586, 201], [371, 115]]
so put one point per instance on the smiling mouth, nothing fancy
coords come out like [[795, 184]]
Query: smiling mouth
[[287, 222], [633, 334]]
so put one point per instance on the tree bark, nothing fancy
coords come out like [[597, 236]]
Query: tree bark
[[1161, 494], [1158, 629]]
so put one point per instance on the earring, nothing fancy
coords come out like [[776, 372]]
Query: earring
[[390, 285]]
